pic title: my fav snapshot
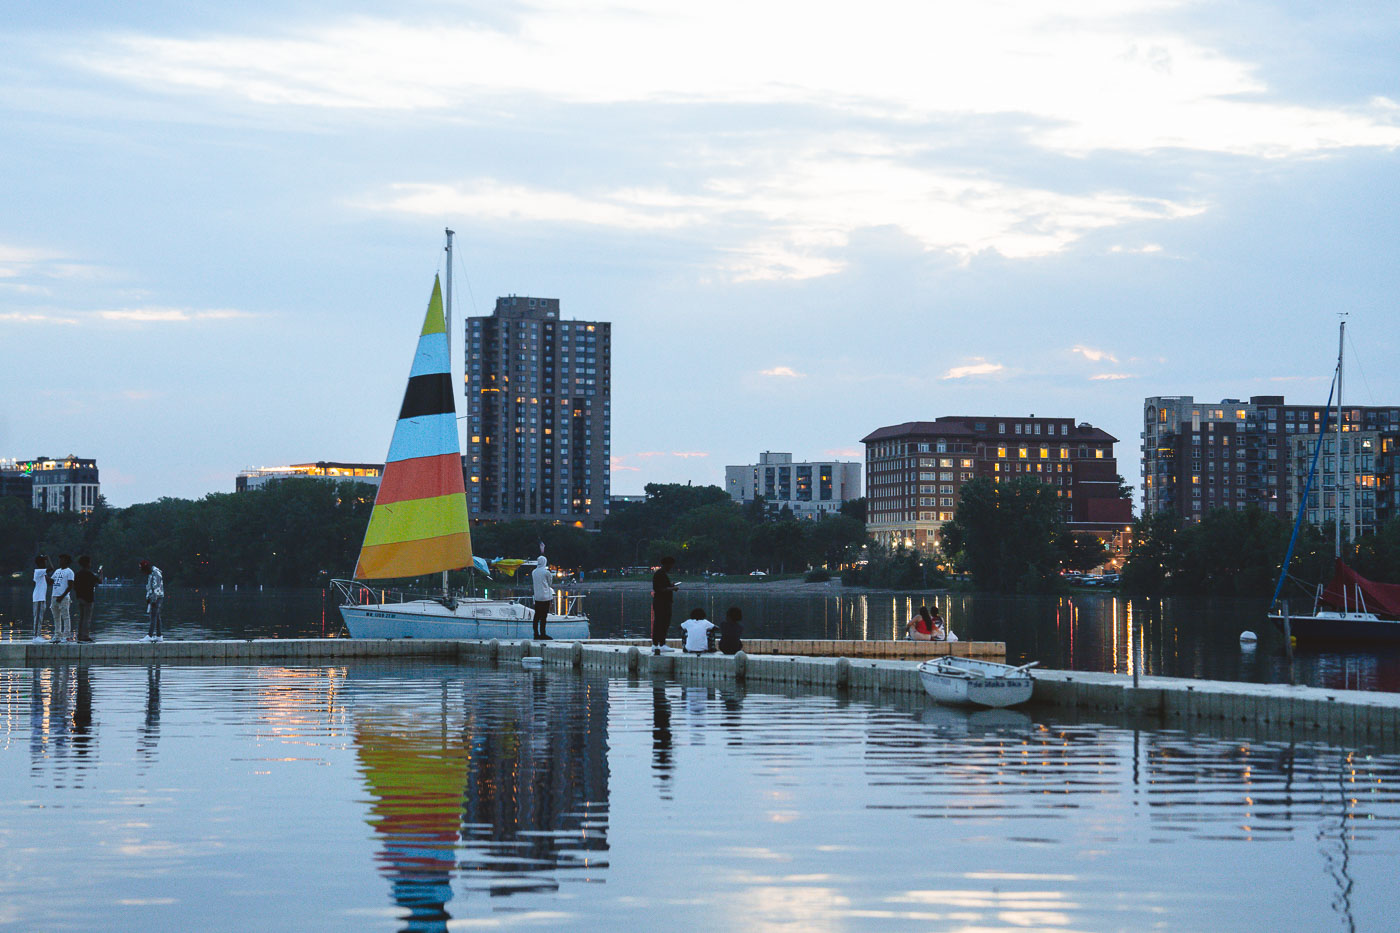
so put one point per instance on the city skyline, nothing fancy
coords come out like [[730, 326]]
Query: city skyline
[[222, 224]]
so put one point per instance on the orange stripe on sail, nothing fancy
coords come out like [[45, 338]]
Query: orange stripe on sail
[[421, 478], [414, 558]]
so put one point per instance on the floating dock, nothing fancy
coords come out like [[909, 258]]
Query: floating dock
[[885, 667]]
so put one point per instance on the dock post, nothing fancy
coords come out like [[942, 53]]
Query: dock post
[[1288, 641]]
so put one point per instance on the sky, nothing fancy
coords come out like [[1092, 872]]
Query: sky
[[219, 223]]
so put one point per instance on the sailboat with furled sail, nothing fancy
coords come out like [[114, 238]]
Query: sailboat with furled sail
[[1349, 607], [420, 525]]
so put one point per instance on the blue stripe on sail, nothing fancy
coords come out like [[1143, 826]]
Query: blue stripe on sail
[[424, 436], [431, 356]]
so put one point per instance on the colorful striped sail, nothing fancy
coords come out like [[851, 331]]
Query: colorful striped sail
[[419, 523]]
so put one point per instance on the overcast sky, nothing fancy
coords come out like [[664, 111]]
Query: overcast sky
[[221, 222]]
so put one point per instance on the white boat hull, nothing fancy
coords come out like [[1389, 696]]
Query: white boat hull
[[470, 618], [968, 682]]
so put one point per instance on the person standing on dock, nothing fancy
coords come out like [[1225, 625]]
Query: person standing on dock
[[541, 577], [155, 595], [85, 591], [41, 595], [663, 595], [62, 604]]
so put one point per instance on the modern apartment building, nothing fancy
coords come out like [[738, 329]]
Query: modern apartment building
[[810, 490], [66, 484], [915, 473], [258, 477], [539, 414], [1365, 494], [1199, 456]]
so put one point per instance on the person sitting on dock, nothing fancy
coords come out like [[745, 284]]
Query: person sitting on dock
[[925, 626], [697, 632], [730, 630]]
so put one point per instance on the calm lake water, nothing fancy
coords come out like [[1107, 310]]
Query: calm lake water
[[422, 798], [1089, 631]]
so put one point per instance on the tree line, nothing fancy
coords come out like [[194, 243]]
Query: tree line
[[1239, 553], [297, 531]]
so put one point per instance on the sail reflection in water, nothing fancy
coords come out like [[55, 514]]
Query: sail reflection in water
[[497, 784]]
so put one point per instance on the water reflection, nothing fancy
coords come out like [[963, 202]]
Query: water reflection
[[62, 740], [499, 786]]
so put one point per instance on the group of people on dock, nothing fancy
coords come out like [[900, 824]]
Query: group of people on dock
[[927, 625], [58, 590], [698, 629]]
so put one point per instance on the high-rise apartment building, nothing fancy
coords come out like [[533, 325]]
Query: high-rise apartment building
[[1200, 456], [915, 473], [539, 414], [810, 490]]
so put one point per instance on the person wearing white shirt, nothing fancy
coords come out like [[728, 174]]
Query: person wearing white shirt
[[62, 604], [542, 578], [697, 632], [41, 595]]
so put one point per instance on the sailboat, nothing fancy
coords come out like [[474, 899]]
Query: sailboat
[[1349, 607], [420, 526]]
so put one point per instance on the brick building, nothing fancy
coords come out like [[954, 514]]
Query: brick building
[[915, 473]]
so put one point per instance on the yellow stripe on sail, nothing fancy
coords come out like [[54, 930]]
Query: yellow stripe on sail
[[414, 559], [435, 322], [414, 519]]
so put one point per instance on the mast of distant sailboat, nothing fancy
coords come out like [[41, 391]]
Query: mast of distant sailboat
[[1337, 486]]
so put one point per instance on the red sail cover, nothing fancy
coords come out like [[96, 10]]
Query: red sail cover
[[1381, 598]]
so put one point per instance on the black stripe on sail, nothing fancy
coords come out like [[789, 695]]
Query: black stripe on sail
[[429, 394]]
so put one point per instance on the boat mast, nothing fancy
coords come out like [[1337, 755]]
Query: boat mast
[[1337, 486], [447, 322]]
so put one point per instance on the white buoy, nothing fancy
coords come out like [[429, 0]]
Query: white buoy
[[1248, 638]]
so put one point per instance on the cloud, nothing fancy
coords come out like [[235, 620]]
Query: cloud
[[792, 221], [616, 465], [34, 317], [784, 372], [1101, 377], [157, 315], [1121, 77], [646, 454], [1097, 356], [845, 452], [978, 367], [1028, 78], [687, 454]]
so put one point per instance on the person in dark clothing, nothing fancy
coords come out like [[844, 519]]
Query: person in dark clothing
[[85, 591], [730, 631], [663, 593]]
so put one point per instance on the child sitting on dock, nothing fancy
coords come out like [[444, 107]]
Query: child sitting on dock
[[697, 632]]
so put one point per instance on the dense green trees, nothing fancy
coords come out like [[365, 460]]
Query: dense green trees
[[289, 532], [1008, 535], [1238, 553]]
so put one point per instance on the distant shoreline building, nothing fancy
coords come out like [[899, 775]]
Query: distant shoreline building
[[915, 473], [1200, 456], [260, 477], [539, 410], [810, 489], [68, 484]]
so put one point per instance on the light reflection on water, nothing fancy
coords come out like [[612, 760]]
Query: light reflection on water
[[383, 797], [1085, 631]]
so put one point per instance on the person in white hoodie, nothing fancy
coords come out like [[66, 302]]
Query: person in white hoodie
[[542, 577]]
